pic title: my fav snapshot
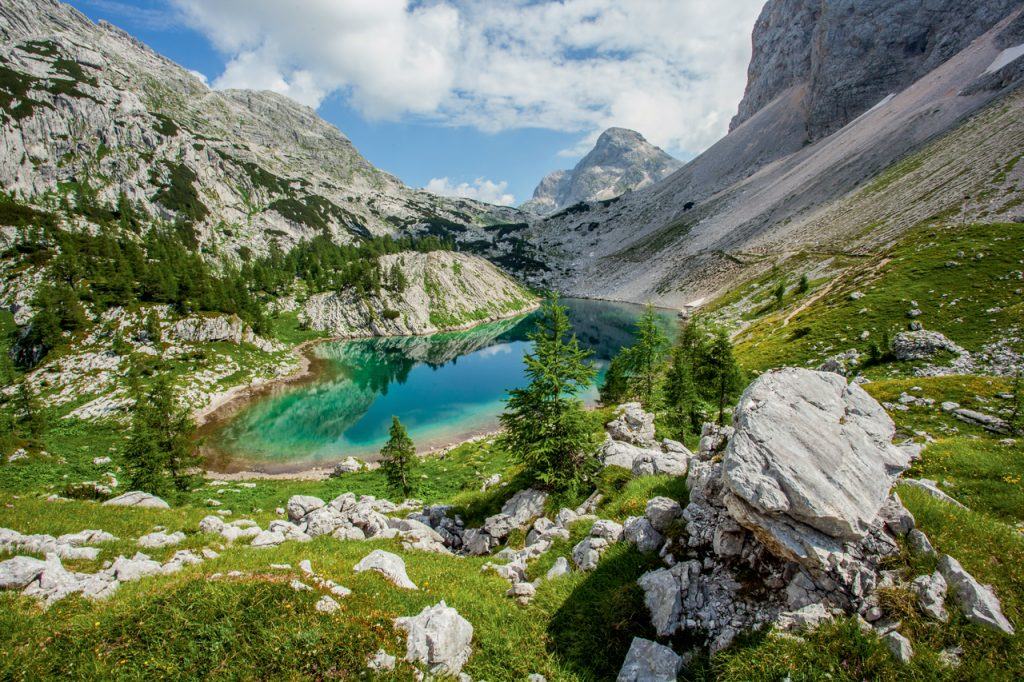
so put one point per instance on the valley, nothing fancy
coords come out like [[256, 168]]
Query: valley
[[267, 412]]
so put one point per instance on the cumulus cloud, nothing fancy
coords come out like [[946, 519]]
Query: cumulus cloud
[[672, 69], [480, 189]]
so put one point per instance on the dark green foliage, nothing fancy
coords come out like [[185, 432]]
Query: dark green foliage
[[779, 294], [179, 193], [397, 281], [165, 125], [805, 284], [152, 328], [726, 378], [397, 459], [33, 420], [1017, 397], [616, 381], [390, 314], [682, 397], [546, 426], [160, 452], [636, 371]]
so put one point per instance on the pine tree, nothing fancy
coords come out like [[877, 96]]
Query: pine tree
[[805, 284], [681, 394], [725, 372], [152, 328], [160, 453], [397, 458], [33, 420], [780, 294], [616, 380], [546, 427], [647, 357]]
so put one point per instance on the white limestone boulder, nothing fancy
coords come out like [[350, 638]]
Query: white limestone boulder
[[137, 498], [439, 638], [648, 661], [810, 464]]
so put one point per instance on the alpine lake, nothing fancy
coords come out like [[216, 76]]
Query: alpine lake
[[444, 388]]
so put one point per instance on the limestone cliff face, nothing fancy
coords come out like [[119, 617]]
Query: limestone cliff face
[[621, 161], [850, 54], [443, 291], [87, 110], [841, 91]]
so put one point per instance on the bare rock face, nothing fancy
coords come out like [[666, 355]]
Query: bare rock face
[[979, 602], [811, 463], [849, 54], [621, 161], [632, 425]]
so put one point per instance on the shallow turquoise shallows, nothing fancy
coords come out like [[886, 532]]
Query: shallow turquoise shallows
[[444, 388]]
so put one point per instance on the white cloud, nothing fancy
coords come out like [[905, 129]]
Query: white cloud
[[480, 189], [672, 69]]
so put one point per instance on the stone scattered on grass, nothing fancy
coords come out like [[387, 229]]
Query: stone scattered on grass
[[391, 566], [439, 638]]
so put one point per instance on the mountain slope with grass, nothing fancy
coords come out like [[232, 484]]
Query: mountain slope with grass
[[767, 189]]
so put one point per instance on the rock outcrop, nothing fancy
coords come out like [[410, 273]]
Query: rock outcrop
[[443, 291], [621, 161], [811, 463]]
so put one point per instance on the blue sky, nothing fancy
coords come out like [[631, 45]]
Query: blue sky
[[478, 98]]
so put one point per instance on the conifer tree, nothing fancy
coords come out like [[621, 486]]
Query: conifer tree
[[780, 294], [152, 327], [681, 394], [160, 453], [33, 419], [725, 372], [397, 458], [546, 427], [615, 387], [805, 284], [647, 357]]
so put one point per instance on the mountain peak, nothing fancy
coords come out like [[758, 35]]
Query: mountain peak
[[622, 160]]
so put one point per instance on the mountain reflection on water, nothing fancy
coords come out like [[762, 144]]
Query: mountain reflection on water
[[443, 387]]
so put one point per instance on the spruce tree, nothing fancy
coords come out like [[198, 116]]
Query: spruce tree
[[805, 284], [725, 372], [647, 357], [160, 452], [615, 387], [397, 458], [681, 394], [780, 294], [152, 328], [546, 427]]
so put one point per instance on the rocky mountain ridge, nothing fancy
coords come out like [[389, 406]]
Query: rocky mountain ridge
[[621, 161], [89, 111], [763, 193]]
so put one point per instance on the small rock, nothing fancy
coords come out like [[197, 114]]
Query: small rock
[[327, 605], [161, 539], [381, 661], [560, 568], [931, 595], [137, 498], [300, 586], [391, 566], [899, 646], [648, 661], [919, 543], [979, 602]]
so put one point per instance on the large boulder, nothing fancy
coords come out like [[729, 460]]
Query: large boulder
[[632, 425], [810, 464], [137, 498], [922, 345], [648, 661], [438, 637]]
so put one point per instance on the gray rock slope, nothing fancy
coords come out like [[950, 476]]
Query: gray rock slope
[[621, 161], [780, 183], [87, 107]]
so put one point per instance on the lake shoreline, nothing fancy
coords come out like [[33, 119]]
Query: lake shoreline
[[228, 404]]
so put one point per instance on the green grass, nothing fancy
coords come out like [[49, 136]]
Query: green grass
[[984, 290]]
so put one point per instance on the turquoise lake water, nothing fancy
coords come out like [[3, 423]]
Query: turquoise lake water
[[444, 388]]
